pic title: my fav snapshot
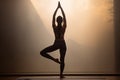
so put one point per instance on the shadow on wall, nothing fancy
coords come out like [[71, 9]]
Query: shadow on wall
[[21, 29], [117, 34]]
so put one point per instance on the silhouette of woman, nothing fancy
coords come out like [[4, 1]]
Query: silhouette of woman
[[59, 43]]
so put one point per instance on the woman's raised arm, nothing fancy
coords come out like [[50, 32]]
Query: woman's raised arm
[[53, 21], [64, 17]]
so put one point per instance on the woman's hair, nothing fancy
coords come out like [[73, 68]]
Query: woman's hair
[[59, 19]]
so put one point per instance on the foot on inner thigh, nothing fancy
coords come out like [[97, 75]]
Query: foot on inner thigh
[[57, 60]]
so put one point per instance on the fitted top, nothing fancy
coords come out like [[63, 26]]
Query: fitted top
[[59, 32]]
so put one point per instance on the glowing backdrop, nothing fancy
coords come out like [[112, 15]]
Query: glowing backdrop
[[89, 25], [89, 36], [87, 20]]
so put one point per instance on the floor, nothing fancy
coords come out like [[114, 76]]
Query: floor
[[66, 78]]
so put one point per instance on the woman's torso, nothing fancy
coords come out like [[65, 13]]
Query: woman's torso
[[59, 33]]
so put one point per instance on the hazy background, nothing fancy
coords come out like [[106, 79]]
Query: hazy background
[[25, 29]]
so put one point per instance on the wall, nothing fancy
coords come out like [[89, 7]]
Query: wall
[[23, 34], [117, 34]]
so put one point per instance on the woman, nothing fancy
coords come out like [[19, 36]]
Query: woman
[[59, 43]]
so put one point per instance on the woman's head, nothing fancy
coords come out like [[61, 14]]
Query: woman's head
[[59, 19]]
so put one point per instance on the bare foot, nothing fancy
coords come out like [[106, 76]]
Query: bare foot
[[57, 61], [61, 77]]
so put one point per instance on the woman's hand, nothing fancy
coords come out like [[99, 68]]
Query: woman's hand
[[59, 5]]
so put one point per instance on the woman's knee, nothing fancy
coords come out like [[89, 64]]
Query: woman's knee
[[62, 63], [42, 53]]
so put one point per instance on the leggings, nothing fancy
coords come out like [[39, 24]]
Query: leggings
[[58, 44]]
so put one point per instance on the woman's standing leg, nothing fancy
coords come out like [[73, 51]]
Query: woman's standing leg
[[62, 60]]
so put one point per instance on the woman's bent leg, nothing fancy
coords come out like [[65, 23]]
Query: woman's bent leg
[[45, 54]]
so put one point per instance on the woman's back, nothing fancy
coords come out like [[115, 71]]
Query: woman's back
[[59, 32]]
